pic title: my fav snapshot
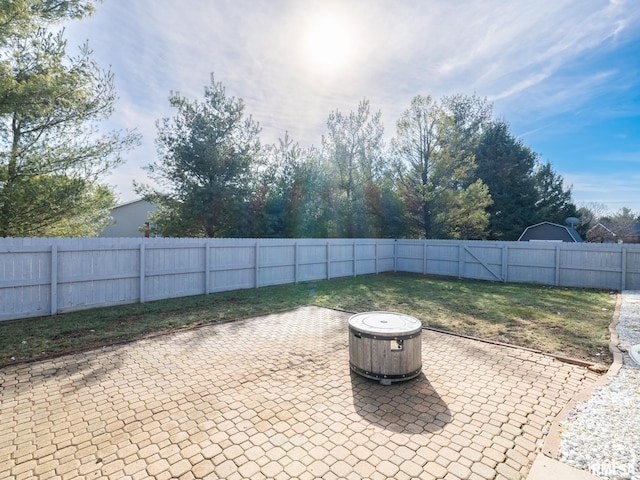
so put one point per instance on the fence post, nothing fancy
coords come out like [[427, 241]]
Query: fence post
[[54, 279], [142, 271], [328, 261], [424, 257], [505, 259], [395, 255], [355, 265], [461, 260], [296, 254], [623, 273], [257, 272], [557, 279], [375, 252], [206, 267]]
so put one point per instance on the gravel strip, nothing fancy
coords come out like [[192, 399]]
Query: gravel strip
[[602, 435]]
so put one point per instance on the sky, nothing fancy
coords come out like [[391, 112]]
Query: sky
[[565, 74]]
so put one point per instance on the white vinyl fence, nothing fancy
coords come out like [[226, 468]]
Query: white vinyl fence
[[44, 276]]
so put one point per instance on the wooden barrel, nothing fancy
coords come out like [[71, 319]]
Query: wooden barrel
[[385, 346]]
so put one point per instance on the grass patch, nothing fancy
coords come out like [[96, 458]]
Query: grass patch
[[564, 321]]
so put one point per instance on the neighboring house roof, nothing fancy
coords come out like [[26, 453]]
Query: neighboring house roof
[[627, 233], [128, 218], [550, 232], [603, 229], [626, 230]]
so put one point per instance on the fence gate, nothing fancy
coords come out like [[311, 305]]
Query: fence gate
[[482, 262]]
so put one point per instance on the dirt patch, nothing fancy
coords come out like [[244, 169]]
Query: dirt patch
[[73, 334]]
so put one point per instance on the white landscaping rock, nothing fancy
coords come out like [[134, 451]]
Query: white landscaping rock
[[602, 435]]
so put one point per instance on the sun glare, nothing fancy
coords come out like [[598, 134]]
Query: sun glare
[[329, 44]]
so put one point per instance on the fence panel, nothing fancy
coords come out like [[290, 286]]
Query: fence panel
[[312, 261], [174, 270], [410, 256], [631, 281], [25, 282], [44, 276], [341, 259], [531, 262], [232, 267], [366, 258], [277, 264], [591, 268], [386, 261], [443, 258], [96, 275]]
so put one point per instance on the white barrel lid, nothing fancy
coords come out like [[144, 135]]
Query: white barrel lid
[[385, 323]]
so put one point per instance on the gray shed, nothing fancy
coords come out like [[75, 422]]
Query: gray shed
[[550, 232]]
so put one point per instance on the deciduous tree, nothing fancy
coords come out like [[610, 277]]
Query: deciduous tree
[[290, 198], [624, 222], [434, 145], [354, 151]]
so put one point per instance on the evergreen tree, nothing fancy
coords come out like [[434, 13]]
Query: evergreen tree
[[51, 158], [207, 158], [506, 166], [554, 203]]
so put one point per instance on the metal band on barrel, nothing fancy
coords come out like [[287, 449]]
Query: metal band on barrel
[[359, 334], [380, 376]]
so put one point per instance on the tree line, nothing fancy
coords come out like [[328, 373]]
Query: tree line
[[450, 170]]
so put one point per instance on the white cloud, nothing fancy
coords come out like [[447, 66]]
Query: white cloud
[[515, 53], [615, 190], [625, 157]]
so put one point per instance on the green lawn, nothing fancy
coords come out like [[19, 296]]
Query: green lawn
[[564, 321]]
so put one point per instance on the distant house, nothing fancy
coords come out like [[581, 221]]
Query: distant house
[[550, 232], [601, 233], [129, 219]]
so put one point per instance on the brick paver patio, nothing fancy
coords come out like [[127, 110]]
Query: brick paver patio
[[273, 397]]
